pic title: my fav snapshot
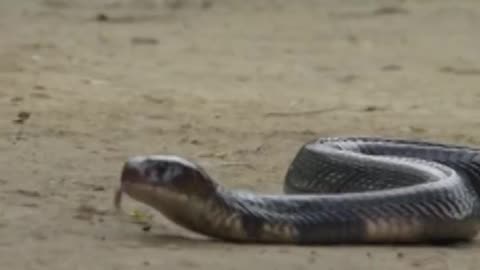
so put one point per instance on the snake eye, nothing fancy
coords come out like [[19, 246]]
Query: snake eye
[[160, 169], [163, 172], [156, 171]]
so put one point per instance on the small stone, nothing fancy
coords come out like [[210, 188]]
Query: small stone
[[194, 141], [391, 67], [98, 188], [390, 10], [102, 17], [22, 117], [371, 108], [146, 227], [144, 41], [29, 193]]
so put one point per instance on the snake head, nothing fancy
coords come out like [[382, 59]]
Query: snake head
[[164, 172]]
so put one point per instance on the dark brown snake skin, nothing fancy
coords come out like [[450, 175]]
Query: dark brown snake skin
[[338, 190]]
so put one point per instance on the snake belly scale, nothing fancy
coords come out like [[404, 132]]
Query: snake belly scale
[[337, 190]]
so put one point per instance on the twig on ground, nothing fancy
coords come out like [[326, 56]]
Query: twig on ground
[[235, 164], [302, 113]]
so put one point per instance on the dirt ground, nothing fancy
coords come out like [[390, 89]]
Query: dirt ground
[[237, 86]]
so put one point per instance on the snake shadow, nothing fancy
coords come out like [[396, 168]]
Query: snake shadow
[[187, 240], [179, 240]]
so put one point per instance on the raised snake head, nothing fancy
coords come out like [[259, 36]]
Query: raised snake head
[[147, 177]]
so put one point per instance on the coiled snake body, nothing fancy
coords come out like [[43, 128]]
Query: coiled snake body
[[338, 190]]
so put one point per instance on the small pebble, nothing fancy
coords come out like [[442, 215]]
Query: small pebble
[[144, 41], [101, 17], [146, 227]]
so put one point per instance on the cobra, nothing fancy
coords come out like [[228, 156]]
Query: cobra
[[336, 190]]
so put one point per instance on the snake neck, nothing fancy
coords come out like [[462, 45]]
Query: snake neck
[[232, 215]]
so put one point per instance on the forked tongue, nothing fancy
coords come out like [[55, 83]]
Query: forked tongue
[[117, 201]]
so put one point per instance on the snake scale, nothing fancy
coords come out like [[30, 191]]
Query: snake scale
[[337, 190]]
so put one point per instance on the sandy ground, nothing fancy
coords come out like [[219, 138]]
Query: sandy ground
[[237, 86]]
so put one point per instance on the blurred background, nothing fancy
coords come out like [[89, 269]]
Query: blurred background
[[237, 86]]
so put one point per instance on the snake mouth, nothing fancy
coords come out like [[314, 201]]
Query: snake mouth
[[140, 181], [130, 175]]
